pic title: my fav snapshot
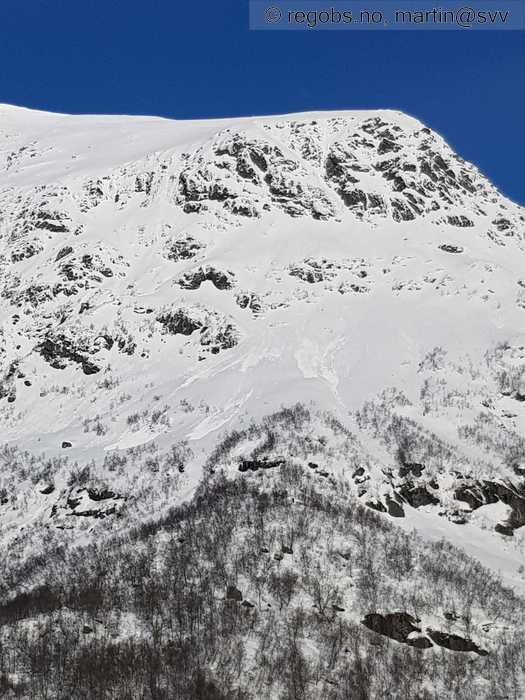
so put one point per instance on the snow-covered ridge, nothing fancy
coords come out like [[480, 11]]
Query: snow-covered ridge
[[166, 281]]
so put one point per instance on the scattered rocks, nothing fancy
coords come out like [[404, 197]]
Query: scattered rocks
[[403, 628], [179, 322], [311, 270], [249, 300], [413, 468], [216, 331], [59, 349], [184, 248], [502, 224]]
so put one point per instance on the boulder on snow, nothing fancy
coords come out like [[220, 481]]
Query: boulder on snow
[[400, 626], [394, 508], [454, 642], [449, 248], [233, 593]]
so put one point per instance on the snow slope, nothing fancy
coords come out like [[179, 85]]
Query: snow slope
[[167, 281]]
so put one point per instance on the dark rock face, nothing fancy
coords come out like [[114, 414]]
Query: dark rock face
[[387, 146], [256, 464], [480, 493], [397, 626], [420, 643], [241, 208], [26, 249], [79, 272], [454, 642], [470, 493], [401, 211], [394, 508], [221, 280], [413, 468], [417, 496], [54, 222], [216, 332], [461, 221], [360, 201], [66, 444], [57, 351], [76, 505], [66, 250], [93, 513], [400, 625], [233, 593], [502, 224], [222, 338], [100, 494], [179, 322], [183, 249], [504, 530], [376, 505], [241, 171]]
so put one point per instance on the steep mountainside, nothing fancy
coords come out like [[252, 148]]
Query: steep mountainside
[[331, 301]]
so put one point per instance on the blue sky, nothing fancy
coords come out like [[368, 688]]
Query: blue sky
[[199, 59]]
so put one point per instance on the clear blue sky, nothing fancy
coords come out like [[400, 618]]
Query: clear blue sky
[[184, 59]]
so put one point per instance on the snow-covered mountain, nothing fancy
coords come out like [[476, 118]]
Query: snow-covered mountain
[[335, 292]]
